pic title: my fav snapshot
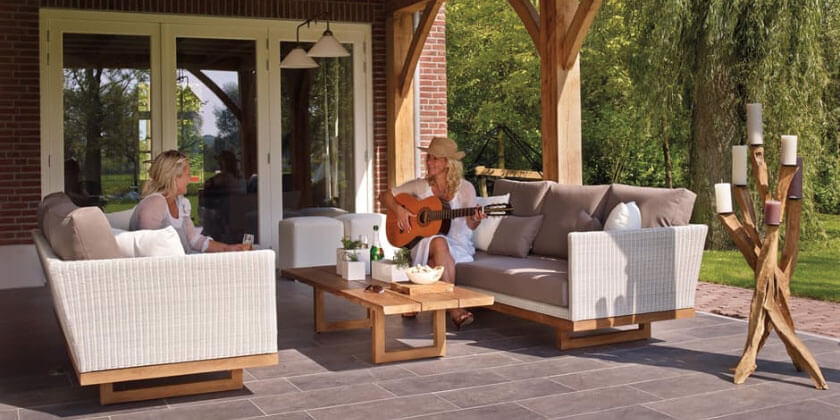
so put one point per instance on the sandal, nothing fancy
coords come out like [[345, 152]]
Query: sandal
[[462, 320]]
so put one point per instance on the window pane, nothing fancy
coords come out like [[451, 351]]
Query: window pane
[[217, 127], [318, 134], [107, 125]]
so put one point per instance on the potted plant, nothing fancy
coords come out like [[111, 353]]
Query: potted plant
[[358, 248], [351, 267], [392, 270]]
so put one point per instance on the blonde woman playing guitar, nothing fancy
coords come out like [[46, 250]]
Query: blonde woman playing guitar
[[444, 179]]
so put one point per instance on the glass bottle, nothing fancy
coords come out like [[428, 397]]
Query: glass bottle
[[376, 251]]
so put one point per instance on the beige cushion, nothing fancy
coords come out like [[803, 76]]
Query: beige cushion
[[660, 207], [515, 235], [535, 278], [76, 233], [525, 197], [561, 208]]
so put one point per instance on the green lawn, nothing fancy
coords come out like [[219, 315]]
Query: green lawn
[[816, 276]]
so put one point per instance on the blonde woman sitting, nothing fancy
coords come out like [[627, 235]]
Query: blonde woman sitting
[[444, 179], [164, 204]]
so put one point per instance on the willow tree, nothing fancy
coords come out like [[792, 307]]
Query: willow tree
[[712, 57]]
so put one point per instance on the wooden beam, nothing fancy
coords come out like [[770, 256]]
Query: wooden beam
[[530, 17], [507, 173], [417, 43], [218, 91], [404, 6], [399, 30], [576, 33]]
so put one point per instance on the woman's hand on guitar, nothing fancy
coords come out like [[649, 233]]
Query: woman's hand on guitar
[[478, 215], [402, 219]]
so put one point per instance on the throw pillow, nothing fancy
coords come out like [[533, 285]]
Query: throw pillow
[[659, 206], [76, 233], [525, 197], [120, 219], [586, 223], [483, 234], [149, 243], [624, 216], [561, 207], [515, 236]]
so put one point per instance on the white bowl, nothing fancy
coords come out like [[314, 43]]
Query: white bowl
[[424, 274]]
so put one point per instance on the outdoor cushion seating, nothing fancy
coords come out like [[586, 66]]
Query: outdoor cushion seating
[[578, 279], [127, 319], [308, 241]]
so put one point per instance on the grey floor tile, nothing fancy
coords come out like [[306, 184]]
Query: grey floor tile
[[699, 320], [731, 401], [229, 410], [299, 415], [287, 368], [456, 364], [833, 400], [551, 367], [621, 375], [635, 412], [723, 329], [692, 384], [8, 415], [442, 382], [350, 377], [89, 409], [582, 402], [503, 392], [500, 411], [320, 398], [386, 409], [810, 409]]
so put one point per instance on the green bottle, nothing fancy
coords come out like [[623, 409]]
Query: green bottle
[[376, 251]]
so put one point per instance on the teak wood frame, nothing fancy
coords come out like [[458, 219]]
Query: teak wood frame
[[770, 307], [558, 30], [565, 328]]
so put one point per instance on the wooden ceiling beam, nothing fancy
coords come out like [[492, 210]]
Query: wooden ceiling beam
[[530, 17], [405, 6], [417, 43], [573, 39]]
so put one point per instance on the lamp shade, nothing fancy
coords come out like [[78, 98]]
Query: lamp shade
[[297, 59], [328, 46]]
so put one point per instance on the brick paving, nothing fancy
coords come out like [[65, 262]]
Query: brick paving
[[814, 316]]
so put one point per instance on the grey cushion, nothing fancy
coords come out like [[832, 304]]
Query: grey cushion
[[535, 278], [660, 207], [561, 207], [515, 235], [76, 233], [525, 197]]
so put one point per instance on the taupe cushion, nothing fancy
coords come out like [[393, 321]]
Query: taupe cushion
[[587, 223], [525, 197], [535, 278], [660, 207], [561, 207], [515, 235], [76, 233]]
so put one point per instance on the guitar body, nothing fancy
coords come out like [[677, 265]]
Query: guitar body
[[421, 226]]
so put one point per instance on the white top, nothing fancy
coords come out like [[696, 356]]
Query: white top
[[153, 213], [459, 237]]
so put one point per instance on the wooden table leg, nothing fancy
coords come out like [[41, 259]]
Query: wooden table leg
[[377, 341], [322, 325]]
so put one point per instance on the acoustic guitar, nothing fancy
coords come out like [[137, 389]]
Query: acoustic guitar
[[434, 217]]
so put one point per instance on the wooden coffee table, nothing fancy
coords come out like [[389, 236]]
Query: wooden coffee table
[[323, 279]]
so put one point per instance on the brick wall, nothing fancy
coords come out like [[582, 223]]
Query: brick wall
[[20, 150], [19, 91]]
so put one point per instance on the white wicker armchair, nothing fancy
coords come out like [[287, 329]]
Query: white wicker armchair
[[142, 318]]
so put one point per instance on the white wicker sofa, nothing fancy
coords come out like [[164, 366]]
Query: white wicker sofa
[[547, 265], [127, 319]]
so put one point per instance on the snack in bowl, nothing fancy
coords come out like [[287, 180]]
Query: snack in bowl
[[423, 274]]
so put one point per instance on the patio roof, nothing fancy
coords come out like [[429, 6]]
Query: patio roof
[[501, 367], [558, 30]]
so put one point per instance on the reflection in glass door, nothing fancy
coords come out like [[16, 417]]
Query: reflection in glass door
[[318, 134], [107, 125], [217, 127]]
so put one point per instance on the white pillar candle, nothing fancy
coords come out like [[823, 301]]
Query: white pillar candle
[[739, 165], [789, 150], [755, 132], [723, 198]]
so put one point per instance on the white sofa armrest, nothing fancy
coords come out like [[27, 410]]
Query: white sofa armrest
[[629, 272], [145, 311]]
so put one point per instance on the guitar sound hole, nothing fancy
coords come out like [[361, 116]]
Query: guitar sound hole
[[423, 217]]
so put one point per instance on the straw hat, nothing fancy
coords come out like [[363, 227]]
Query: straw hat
[[443, 147]]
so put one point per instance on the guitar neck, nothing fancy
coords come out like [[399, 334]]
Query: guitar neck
[[446, 214]]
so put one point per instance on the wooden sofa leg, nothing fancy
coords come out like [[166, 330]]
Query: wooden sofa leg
[[565, 341], [107, 394]]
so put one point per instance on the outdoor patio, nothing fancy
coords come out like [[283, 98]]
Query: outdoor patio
[[499, 367]]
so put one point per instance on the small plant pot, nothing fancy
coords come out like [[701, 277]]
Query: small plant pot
[[386, 270], [351, 270], [362, 254]]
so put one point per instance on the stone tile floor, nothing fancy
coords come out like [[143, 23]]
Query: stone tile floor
[[500, 367]]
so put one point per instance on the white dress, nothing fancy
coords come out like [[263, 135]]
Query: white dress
[[153, 213], [459, 237]]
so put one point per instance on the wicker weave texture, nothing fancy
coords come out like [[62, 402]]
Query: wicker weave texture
[[629, 272], [146, 311]]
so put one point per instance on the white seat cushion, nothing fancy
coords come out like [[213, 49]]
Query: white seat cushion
[[308, 241]]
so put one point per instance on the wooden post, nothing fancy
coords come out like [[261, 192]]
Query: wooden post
[[770, 308], [399, 29]]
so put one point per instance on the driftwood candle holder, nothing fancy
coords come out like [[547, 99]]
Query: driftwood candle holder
[[770, 307]]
